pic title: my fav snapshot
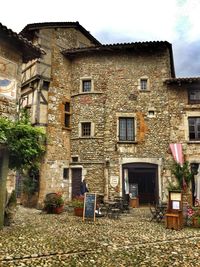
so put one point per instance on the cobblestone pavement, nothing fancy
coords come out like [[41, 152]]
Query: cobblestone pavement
[[40, 239]]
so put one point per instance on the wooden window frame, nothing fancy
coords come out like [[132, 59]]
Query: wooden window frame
[[66, 114]]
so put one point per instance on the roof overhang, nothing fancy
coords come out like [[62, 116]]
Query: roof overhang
[[137, 47], [28, 50], [47, 25], [183, 81]]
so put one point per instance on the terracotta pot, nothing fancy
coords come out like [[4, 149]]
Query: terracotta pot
[[196, 222], [78, 211], [58, 210]]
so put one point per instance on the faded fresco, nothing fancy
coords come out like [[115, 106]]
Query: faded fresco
[[8, 72]]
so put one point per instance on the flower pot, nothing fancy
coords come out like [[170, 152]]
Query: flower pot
[[78, 211], [196, 222], [58, 210]]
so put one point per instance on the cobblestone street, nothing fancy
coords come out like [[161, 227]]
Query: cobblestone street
[[40, 239]]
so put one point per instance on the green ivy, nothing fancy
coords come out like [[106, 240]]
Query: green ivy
[[182, 172], [26, 144]]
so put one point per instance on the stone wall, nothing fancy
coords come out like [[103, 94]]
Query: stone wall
[[58, 154], [180, 110], [116, 93], [10, 68]]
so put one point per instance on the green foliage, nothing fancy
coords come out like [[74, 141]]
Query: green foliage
[[53, 200], [31, 180], [25, 143], [5, 127], [78, 202], [182, 172], [173, 187]]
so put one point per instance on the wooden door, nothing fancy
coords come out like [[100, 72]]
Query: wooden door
[[76, 181]]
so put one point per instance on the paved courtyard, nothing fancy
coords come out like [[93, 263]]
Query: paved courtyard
[[39, 239]]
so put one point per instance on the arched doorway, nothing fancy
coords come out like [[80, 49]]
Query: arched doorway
[[145, 175]]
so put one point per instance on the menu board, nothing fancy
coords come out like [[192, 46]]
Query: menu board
[[89, 206], [133, 190]]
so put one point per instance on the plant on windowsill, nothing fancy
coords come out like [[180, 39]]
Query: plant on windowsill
[[54, 203], [78, 204]]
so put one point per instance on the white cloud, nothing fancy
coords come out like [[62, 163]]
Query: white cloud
[[176, 21]]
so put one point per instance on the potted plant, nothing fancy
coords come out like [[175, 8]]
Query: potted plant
[[78, 204], [54, 203], [183, 174]]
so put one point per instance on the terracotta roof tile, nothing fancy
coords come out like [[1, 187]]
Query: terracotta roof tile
[[35, 26], [185, 80], [29, 50]]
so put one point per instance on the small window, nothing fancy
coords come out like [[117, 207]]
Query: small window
[[45, 85], [126, 129], [143, 84], [194, 96], [86, 129], [151, 113], [66, 114], [65, 173], [194, 128], [74, 159], [86, 85]]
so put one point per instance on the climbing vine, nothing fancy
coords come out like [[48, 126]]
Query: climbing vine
[[26, 144]]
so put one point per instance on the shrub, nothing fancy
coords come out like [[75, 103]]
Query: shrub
[[52, 201]]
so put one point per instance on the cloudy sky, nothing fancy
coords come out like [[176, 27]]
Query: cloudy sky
[[117, 21]]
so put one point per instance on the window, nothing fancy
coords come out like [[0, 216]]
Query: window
[[67, 114], [45, 85], [86, 129], [86, 85], [143, 84], [75, 159], [151, 113], [194, 128], [65, 173], [194, 96], [126, 129]]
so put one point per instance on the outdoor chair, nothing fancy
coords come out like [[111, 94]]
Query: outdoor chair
[[157, 213], [153, 213]]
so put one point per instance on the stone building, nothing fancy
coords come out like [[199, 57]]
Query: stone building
[[14, 50], [110, 112]]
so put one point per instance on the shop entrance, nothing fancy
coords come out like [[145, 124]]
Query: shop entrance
[[145, 176]]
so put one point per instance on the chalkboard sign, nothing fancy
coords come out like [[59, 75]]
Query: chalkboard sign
[[133, 190], [89, 206]]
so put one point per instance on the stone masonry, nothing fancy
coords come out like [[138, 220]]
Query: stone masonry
[[115, 71]]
